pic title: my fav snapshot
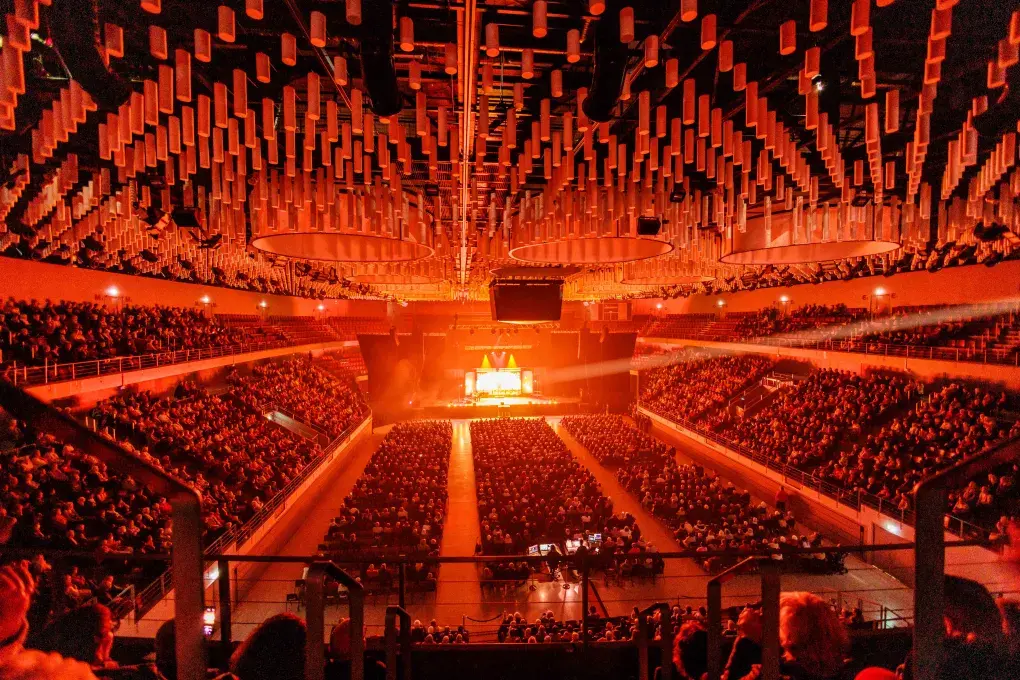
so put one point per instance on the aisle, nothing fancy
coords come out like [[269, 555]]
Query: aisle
[[458, 591], [299, 533], [682, 577]]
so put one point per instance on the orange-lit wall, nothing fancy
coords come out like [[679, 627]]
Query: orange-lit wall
[[22, 279], [950, 286]]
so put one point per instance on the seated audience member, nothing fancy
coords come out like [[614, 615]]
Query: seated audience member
[[86, 633], [275, 650], [979, 644], [16, 662], [690, 652]]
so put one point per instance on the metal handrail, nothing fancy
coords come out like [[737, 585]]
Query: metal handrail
[[30, 376], [770, 589], [850, 499], [645, 633], [393, 613], [315, 617]]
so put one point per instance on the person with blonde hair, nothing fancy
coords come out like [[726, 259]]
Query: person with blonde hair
[[812, 637]]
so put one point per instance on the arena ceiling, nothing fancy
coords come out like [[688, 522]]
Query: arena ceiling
[[408, 149]]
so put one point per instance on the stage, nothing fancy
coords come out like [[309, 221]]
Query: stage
[[494, 407]]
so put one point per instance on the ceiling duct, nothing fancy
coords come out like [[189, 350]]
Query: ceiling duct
[[610, 68], [74, 29], [377, 69]]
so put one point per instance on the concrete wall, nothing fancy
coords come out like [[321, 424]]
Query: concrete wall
[[959, 285], [25, 280]]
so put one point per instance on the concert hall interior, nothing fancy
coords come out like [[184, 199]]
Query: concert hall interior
[[458, 339]]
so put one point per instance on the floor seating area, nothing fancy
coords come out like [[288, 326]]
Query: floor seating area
[[532, 491], [397, 505]]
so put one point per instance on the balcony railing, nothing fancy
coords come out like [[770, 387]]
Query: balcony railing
[[29, 376]]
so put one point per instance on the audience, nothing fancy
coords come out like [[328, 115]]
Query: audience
[[702, 511], [531, 491], [988, 332], [398, 505], [697, 383], [275, 650], [33, 333], [314, 396]]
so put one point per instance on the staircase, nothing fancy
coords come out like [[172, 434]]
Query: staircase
[[295, 426]]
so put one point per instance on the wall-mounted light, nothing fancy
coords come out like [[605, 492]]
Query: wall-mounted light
[[880, 291], [205, 300], [720, 303], [113, 291], [263, 304], [321, 308], [784, 299]]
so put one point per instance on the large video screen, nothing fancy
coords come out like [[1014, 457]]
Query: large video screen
[[498, 382]]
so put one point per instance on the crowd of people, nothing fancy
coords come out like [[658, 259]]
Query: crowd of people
[[398, 504], [878, 433], [703, 511], [217, 443], [805, 425], [939, 431], [312, 395], [53, 496], [779, 321], [34, 333], [981, 640], [609, 438], [532, 491], [697, 383]]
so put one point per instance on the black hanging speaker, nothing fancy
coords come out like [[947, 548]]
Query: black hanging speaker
[[610, 68], [648, 226], [377, 70]]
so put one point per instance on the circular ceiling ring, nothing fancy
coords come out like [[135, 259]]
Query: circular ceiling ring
[[666, 280], [341, 247], [807, 253], [592, 251], [395, 279]]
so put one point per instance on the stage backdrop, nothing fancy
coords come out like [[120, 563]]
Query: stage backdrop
[[565, 363]]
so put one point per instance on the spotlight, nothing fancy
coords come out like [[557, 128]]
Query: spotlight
[[819, 84]]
